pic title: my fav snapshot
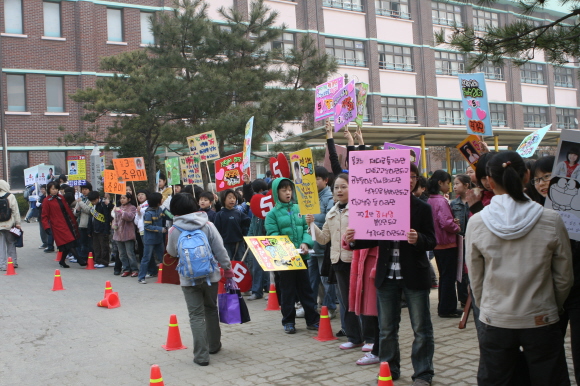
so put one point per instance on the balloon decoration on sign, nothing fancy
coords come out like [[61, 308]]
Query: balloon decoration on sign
[[279, 166], [262, 204]]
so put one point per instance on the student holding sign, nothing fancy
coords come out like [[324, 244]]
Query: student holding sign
[[403, 267]]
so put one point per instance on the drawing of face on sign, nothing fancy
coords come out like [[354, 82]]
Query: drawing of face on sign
[[297, 173], [563, 193]]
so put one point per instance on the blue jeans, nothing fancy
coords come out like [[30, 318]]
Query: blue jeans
[[148, 261], [85, 243], [235, 250], [260, 278], [127, 255], [314, 265], [389, 304]]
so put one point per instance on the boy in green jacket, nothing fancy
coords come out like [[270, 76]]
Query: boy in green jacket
[[285, 219]]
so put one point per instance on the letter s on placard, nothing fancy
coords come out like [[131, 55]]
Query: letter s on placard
[[266, 205], [239, 273], [275, 171]]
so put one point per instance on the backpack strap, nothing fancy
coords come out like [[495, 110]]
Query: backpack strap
[[6, 195]]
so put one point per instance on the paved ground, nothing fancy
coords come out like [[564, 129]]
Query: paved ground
[[63, 338]]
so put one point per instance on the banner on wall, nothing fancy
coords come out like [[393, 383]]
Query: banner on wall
[[345, 106], [228, 172], [275, 253], [379, 191], [130, 169], [324, 98], [475, 103], [205, 145], [302, 167], [190, 170], [76, 170], [111, 183], [172, 171]]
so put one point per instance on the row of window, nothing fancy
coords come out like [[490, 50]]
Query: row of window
[[16, 89], [52, 15], [451, 113]]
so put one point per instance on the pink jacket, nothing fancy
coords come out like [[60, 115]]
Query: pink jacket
[[362, 296], [123, 222], [445, 229]]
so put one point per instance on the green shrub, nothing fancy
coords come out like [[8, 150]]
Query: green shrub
[[22, 204]]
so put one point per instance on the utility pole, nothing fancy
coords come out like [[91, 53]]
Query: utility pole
[[2, 121]]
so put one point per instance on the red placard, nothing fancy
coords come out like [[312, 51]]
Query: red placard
[[228, 172], [279, 166], [262, 204], [242, 276]]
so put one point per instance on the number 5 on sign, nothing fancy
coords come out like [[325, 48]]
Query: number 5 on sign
[[112, 184]]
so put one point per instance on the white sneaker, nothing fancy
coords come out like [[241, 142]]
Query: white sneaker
[[350, 345], [99, 266], [368, 347], [331, 314], [72, 260], [368, 359], [300, 312]]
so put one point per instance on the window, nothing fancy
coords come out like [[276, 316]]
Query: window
[[532, 73], [114, 25], [146, 34], [484, 19], [450, 113], [457, 166], [446, 14], [449, 63], [395, 58], [491, 71], [393, 8], [16, 92], [535, 116], [283, 44], [563, 76], [18, 161], [54, 94], [13, 17], [58, 159], [497, 115], [352, 5], [348, 52], [51, 13], [398, 110], [566, 119]]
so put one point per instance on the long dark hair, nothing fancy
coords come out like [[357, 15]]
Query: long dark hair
[[481, 168], [438, 176], [507, 169]]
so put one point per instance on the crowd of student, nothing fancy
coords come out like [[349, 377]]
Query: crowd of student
[[518, 261]]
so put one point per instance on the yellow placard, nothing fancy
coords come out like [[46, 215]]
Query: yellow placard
[[302, 166], [275, 253]]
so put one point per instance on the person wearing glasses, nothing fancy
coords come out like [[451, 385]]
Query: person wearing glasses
[[569, 168]]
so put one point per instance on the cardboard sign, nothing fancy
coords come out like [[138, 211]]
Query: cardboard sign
[[475, 103], [275, 253], [564, 190], [172, 171], [130, 169], [247, 144], [261, 204], [471, 149], [379, 194], [76, 169], [302, 166], [279, 166], [30, 175], [529, 145], [190, 170], [45, 174], [228, 172], [415, 151], [362, 89], [111, 183], [345, 106], [205, 145], [324, 98]]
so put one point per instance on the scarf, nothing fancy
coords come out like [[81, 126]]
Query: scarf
[[98, 216]]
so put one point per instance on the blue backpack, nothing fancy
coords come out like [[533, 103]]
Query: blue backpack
[[196, 260]]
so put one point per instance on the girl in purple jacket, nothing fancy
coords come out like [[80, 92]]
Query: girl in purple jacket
[[125, 234], [446, 229]]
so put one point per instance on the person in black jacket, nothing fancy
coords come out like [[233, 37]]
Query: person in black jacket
[[100, 225], [403, 267], [232, 225]]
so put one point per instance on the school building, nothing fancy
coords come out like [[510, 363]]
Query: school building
[[49, 49]]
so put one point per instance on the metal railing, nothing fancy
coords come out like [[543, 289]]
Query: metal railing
[[391, 13], [342, 4], [395, 66]]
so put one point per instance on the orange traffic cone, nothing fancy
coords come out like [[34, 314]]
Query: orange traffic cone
[[385, 377], [10, 268], [273, 304], [57, 281], [156, 379], [159, 274], [90, 261], [173, 336], [108, 288], [324, 327], [110, 301], [58, 256]]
